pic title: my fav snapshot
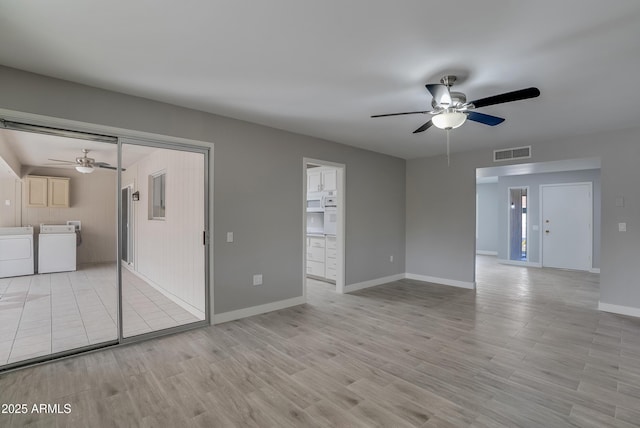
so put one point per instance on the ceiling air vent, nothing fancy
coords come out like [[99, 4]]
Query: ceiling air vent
[[511, 154]]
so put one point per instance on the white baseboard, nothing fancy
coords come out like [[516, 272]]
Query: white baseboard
[[520, 263], [443, 281], [618, 309], [594, 270], [175, 299], [373, 282], [257, 310], [486, 253]]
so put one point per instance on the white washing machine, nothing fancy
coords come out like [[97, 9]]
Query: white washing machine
[[16, 251], [56, 248]]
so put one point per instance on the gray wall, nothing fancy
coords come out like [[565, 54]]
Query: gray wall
[[534, 181], [441, 224], [487, 217], [440, 210], [258, 187]]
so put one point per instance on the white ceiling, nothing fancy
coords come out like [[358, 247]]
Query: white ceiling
[[321, 68]]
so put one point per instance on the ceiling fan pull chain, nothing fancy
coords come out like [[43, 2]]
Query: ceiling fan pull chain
[[448, 156]]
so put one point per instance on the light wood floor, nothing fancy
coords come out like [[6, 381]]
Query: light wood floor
[[528, 348]]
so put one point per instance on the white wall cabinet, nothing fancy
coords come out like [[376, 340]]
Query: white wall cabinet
[[43, 192], [329, 179], [330, 263], [322, 179], [322, 257], [316, 256], [314, 180]]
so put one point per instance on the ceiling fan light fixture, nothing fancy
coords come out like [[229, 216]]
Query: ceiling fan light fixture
[[449, 120], [84, 169]]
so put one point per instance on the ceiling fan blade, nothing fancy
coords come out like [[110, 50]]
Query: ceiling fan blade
[[399, 114], [63, 161], [423, 127], [507, 97], [486, 119], [440, 93]]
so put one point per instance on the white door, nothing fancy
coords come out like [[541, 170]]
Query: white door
[[567, 226]]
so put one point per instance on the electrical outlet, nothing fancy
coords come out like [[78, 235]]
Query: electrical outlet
[[391, 258], [257, 279], [7, 202], [229, 236], [622, 227]]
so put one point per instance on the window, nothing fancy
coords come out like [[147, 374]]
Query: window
[[157, 189]]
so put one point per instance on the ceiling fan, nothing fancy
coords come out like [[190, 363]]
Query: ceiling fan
[[84, 164], [451, 109]]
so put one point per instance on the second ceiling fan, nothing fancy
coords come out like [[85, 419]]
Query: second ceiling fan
[[84, 164], [451, 109]]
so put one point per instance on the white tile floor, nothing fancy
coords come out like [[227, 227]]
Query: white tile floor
[[146, 309], [49, 313]]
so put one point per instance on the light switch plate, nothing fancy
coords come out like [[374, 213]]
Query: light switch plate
[[229, 236], [622, 227], [257, 279], [7, 202]]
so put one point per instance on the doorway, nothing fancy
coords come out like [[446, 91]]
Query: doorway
[[498, 220], [566, 213], [98, 182], [323, 222]]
